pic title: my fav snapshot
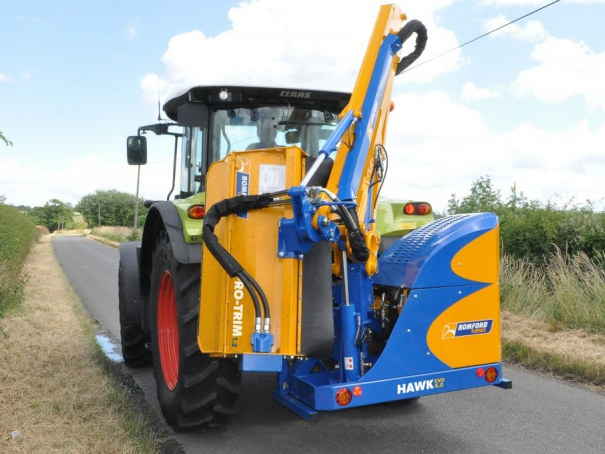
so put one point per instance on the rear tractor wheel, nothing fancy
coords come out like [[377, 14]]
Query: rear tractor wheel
[[135, 349], [193, 388]]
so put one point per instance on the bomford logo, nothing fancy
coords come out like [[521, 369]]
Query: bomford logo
[[295, 94], [460, 329], [242, 181]]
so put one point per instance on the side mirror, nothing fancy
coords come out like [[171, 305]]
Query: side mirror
[[137, 150], [292, 136]]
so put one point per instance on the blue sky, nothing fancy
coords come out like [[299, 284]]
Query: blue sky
[[524, 106]]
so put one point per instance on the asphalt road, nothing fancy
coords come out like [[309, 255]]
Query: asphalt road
[[539, 415]]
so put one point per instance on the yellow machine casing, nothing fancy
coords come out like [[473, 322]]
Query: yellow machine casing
[[226, 310]]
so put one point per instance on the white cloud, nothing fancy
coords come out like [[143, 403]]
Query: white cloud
[[5, 78], [28, 184], [438, 147], [470, 92], [268, 44], [26, 75], [529, 31], [564, 69]]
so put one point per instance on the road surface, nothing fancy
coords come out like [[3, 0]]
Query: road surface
[[539, 415]]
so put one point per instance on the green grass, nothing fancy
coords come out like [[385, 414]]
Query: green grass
[[570, 368], [16, 236], [117, 234], [567, 292]]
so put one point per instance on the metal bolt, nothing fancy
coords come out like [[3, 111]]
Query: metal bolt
[[409, 330], [281, 254], [325, 222], [301, 256], [428, 353]]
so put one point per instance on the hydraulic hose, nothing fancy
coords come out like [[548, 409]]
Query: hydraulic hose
[[413, 26], [222, 209]]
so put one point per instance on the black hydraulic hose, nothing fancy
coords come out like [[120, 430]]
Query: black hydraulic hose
[[413, 26], [260, 292], [357, 241], [242, 277], [212, 217]]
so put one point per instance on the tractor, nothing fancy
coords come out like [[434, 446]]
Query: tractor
[[278, 255]]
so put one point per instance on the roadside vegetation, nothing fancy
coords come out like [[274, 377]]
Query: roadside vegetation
[[113, 208], [116, 234], [56, 391], [552, 281], [17, 234]]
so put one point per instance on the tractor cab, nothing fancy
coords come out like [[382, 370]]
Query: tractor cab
[[216, 120]]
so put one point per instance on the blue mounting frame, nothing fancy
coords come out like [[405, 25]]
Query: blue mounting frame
[[406, 367]]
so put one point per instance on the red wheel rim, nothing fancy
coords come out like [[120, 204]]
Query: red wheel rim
[[168, 331]]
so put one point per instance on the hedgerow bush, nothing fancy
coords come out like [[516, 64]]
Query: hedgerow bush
[[532, 230], [17, 233]]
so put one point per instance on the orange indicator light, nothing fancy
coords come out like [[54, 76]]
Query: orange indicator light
[[343, 397], [196, 212], [491, 374]]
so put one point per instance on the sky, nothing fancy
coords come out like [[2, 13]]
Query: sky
[[524, 106]]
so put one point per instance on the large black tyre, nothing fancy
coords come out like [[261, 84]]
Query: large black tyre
[[135, 349], [193, 388]]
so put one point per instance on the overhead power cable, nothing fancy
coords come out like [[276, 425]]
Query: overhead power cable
[[479, 37]]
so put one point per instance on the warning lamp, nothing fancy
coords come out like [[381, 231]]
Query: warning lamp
[[424, 208], [392, 106], [357, 391], [409, 208], [343, 397], [480, 372], [196, 212], [491, 374]]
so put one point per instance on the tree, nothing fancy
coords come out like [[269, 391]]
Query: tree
[[483, 197], [6, 141], [110, 208], [54, 215], [2, 199]]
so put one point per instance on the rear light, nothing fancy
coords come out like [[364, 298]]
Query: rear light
[[417, 208], [424, 208], [357, 391], [343, 397], [491, 374], [480, 372], [196, 212]]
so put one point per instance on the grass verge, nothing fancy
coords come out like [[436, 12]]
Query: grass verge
[[570, 354], [116, 234], [56, 393], [575, 369]]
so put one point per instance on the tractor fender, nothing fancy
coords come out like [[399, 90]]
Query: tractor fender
[[129, 291], [164, 215]]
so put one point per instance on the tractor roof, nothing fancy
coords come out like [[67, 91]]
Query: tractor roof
[[225, 96]]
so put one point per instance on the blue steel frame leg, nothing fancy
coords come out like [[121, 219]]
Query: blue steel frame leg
[[282, 395]]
